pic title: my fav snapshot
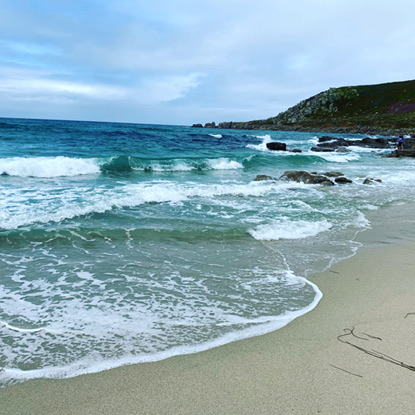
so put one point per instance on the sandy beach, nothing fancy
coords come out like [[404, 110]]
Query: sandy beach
[[353, 354]]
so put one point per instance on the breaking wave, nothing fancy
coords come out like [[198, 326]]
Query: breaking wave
[[289, 230], [49, 167]]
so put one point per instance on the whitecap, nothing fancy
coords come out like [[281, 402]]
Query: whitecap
[[263, 146], [48, 166], [225, 164], [289, 230]]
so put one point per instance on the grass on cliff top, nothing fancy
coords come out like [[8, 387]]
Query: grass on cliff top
[[395, 99], [387, 104]]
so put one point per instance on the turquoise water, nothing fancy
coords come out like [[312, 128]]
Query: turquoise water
[[126, 243]]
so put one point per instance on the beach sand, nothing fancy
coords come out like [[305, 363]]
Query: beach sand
[[303, 368]]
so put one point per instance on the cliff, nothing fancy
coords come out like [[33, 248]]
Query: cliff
[[378, 109]]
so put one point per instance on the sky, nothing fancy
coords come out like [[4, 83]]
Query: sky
[[193, 61]]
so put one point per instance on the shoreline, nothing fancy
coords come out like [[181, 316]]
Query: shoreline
[[301, 368]]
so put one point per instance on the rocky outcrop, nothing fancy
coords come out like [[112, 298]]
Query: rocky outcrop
[[300, 176], [277, 146], [410, 152], [371, 180], [327, 144], [325, 179], [262, 177], [342, 180], [387, 109]]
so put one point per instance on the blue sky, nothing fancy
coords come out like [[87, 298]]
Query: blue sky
[[190, 61]]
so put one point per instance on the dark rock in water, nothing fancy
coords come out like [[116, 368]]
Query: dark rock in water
[[326, 138], [342, 150], [341, 144], [305, 177], [210, 125], [342, 180], [322, 149], [375, 142], [410, 152], [370, 180], [296, 150], [261, 177], [333, 174], [4, 174], [390, 155], [276, 146], [197, 126]]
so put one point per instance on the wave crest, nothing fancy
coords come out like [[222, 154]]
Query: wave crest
[[47, 166], [289, 230]]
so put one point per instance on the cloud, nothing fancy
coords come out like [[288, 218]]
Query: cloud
[[22, 84], [194, 61], [168, 88]]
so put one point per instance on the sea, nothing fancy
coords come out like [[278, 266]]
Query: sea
[[127, 243]]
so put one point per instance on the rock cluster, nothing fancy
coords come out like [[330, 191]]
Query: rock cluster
[[330, 178], [327, 143]]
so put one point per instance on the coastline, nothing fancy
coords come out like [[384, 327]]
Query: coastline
[[301, 368]]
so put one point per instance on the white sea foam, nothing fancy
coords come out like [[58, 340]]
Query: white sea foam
[[225, 164], [93, 363], [48, 166], [180, 166], [337, 157], [20, 329], [74, 202], [216, 135], [263, 146], [289, 230], [221, 163]]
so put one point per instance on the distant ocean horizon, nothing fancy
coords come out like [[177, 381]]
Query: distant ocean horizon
[[124, 243]]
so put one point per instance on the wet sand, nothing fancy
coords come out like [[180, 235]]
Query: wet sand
[[304, 368]]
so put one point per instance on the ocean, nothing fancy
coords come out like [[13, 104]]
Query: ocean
[[127, 243]]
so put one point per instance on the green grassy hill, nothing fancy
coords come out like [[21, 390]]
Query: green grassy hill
[[383, 109]]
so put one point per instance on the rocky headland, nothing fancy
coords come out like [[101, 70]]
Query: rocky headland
[[385, 109]]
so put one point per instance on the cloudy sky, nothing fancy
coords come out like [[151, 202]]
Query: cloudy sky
[[188, 61]]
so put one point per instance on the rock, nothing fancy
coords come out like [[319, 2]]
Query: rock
[[276, 146], [296, 150], [326, 138], [370, 180], [226, 124], [342, 150], [197, 126], [340, 144], [210, 125], [305, 177], [342, 180], [375, 142], [333, 174], [322, 149], [410, 152], [261, 177]]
